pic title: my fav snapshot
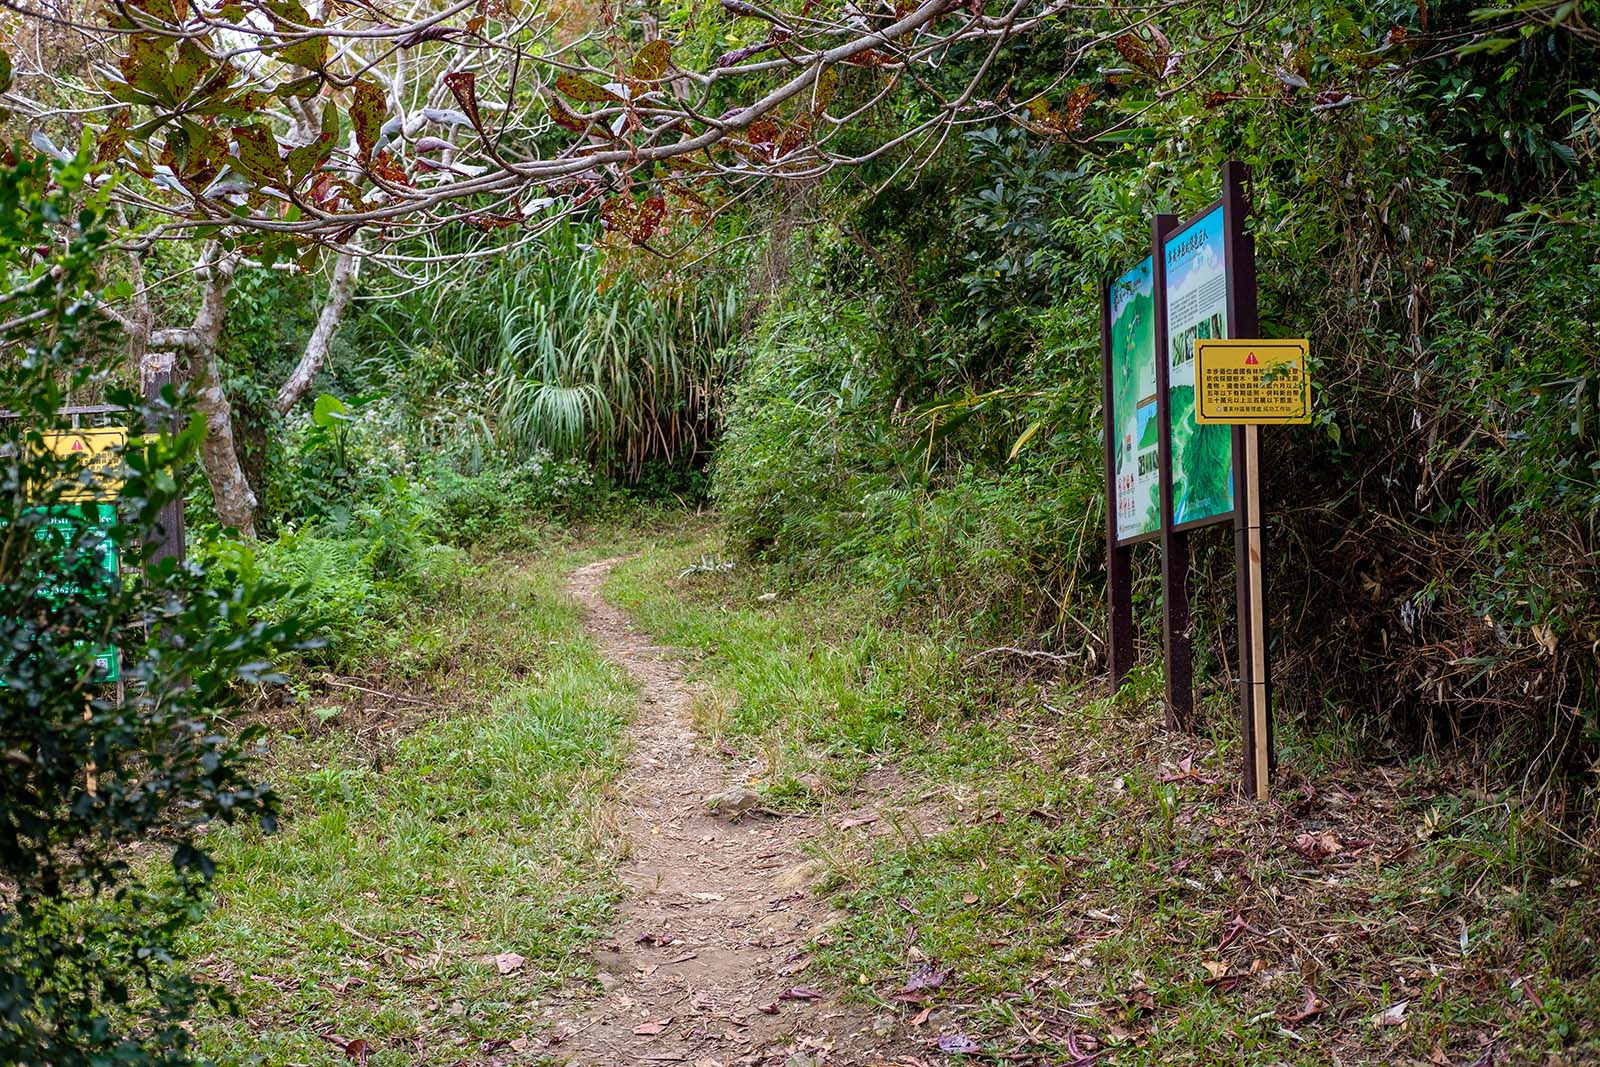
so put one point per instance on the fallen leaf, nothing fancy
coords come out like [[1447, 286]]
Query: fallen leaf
[[864, 820], [970, 898], [1215, 970], [1140, 997], [928, 976], [922, 1016], [958, 1043], [652, 1027], [799, 992], [1393, 1015], [1314, 1005], [1317, 846], [506, 962]]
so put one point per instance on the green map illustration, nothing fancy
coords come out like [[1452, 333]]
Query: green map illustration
[[1133, 389], [1197, 309]]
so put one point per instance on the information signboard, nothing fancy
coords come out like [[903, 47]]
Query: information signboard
[[85, 515], [1133, 390], [1252, 382], [1196, 309]]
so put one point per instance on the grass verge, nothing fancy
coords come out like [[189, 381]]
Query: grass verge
[[1094, 889], [442, 860]]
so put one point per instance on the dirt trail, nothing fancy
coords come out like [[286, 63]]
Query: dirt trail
[[708, 964]]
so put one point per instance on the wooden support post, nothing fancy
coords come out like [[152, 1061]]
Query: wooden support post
[[1255, 693], [1119, 558], [168, 540], [1176, 644]]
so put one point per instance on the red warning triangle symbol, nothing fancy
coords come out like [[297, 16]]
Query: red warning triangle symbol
[[1251, 360], [77, 444]]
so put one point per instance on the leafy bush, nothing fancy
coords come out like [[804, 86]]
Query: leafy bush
[[88, 939]]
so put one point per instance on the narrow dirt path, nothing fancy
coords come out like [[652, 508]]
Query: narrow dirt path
[[708, 963]]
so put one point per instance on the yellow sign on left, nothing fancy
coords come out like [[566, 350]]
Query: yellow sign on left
[[100, 449]]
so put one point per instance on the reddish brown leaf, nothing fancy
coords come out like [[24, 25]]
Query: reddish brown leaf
[[761, 132], [258, 153], [463, 84], [1313, 1006], [385, 168], [799, 992], [114, 138], [564, 116], [584, 91], [367, 106], [652, 61], [1136, 53], [653, 1027]]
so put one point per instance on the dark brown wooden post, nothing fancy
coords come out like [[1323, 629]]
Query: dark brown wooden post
[[167, 540], [1119, 558], [1255, 694], [1175, 638]]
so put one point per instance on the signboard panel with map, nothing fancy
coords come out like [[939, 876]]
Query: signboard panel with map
[[1197, 309], [1133, 390]]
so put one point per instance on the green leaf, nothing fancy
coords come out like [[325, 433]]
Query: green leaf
[[308, 52], [328, 410], [306, 87], [189, 68]]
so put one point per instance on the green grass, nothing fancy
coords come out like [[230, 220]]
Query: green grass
[[422, 838], [1075, 892]]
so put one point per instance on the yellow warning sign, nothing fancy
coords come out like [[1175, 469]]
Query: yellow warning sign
[[1244, 381], [100, 448]]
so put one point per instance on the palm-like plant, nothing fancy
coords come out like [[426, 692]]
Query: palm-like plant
[[603, 364], [578, 359]]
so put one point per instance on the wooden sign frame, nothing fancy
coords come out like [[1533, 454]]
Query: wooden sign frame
[[1255, 692]]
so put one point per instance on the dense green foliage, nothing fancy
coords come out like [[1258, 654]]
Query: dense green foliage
[[920, 401], [90, 771]]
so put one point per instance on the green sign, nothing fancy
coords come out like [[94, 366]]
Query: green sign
[[1133, 391], [1197, 309], [91, 523]]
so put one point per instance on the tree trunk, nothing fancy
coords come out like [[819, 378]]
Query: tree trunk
[[236, 504], [316, 354]]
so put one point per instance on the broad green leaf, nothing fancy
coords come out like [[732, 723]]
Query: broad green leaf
[[307, 158], [328, 409], [306, 87], [188, 69]]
